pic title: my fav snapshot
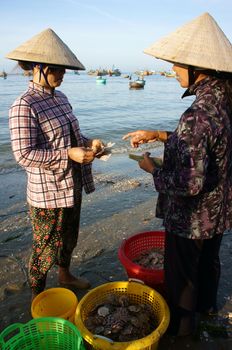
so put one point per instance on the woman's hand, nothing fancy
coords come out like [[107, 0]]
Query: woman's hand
[[147, 163], [141, 136], [81, 155]]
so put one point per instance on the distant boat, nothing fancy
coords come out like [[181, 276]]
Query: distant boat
[[146, 72], [114, 72], [3, 74], [100, 80], [97, 72], [170, 74], [137, 84]]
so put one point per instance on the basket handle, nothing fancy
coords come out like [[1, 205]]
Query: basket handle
[[81, 345], [135, 280], [6, 333], [104, 338]]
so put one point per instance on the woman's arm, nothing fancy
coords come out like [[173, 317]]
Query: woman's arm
[[23, 126], [144, 136]]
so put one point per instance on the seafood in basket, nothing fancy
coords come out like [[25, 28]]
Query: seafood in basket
[[151, 259], [120, 319], [101, 301]]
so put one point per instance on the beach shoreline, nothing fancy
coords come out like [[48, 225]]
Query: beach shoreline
[[121, 206]]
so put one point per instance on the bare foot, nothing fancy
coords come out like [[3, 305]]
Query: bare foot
[[66, 278]]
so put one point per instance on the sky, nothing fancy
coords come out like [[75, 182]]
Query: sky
[[105, 33]]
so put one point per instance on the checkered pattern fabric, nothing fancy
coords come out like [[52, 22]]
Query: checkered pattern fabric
[[40, 126]]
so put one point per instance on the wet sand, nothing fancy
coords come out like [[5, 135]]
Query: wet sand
[[122, 205]]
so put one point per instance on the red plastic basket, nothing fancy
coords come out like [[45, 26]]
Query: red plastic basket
[[132, 247]]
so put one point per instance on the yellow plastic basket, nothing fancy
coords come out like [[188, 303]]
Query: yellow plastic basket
[[55, 302], [139, 294]]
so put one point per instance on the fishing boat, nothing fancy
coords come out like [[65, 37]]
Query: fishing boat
[[170, 74], [146, 72], [114, 72], [137, 84], [3, 74], [101, 80], [98, 72]]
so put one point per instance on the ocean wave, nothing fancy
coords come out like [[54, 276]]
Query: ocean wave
[[122, 149], [4, 170]]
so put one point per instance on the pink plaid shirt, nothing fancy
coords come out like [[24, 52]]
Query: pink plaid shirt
[[40, 127]]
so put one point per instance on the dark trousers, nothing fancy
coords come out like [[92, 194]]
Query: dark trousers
[[192, 272]]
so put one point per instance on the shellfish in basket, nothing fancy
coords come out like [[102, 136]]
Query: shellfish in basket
[[151, 259], [120, 319]]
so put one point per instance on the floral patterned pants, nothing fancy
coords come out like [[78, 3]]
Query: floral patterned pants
[[55, 233]]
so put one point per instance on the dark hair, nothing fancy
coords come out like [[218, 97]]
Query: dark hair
[[25, 65]]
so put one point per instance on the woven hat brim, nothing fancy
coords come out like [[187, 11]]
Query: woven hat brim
[[200, 43], [46, 47]]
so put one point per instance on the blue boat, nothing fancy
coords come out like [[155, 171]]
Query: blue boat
[[100, 80]]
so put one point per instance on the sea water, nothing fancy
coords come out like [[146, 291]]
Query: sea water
[[105, 111]]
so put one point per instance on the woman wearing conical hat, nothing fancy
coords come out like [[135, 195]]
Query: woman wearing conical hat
[[195, 180], [47, 142]]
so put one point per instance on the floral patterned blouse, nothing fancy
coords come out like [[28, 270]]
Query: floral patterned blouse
[[195, 182]]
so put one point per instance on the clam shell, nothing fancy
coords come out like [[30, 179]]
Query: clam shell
[[103, 311]]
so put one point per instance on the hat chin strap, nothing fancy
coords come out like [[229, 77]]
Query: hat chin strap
[[41, 73]]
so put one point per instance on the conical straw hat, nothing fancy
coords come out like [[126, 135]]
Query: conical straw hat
[[46, 47], [199, 43]]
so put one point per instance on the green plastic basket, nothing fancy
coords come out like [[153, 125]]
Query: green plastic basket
[[47, 333]]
